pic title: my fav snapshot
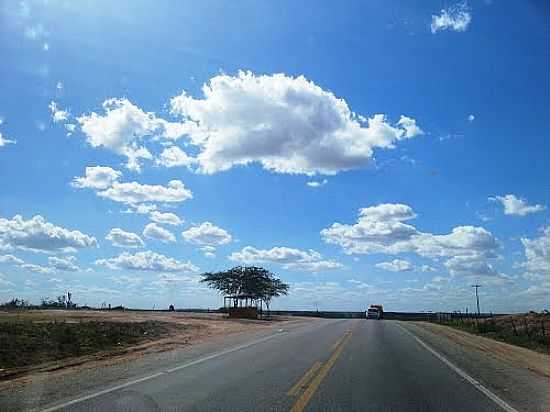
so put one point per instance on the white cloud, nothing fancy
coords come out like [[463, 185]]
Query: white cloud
[[165, 218], [381, 230], [396, 265], [358, 284], [97, 177], [58, 115], [38, 235], [207, 234], [516, 206], [154, 231], [308, 260], [125, 280], [67, 264], [287, 124], [173, 156], [147, 261], [36, 268], [537, 255], [4, 140], [456, 18], [208, 251], [121, 238], [134, 192], [316, 184], [142, 209], [10, 259], [4, 282], [122, 129], [409, 125], [70, 127], [471, 118], [59, 86]]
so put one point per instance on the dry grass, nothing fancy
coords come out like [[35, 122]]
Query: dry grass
[[26, 342], [48, 340], [530, 330]]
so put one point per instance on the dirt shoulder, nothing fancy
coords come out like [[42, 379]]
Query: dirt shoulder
[[520, 357], [518, 375], [179, 330]]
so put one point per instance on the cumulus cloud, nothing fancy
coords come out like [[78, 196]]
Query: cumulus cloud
[[67, 264], [207, 234], [537, 256], [147, 261], [516, 206], [165, 218], [10, 259], [122, 129], [58, 115], [287, 124], [36, 268], [156, 232], [456, 18], [382, 229], [39, 235], [134, 192], [173, 156], [97, 177], [55, 263], [121, 238], [208, 251], [308, 260], [4, 140], [316, 184], [396, 265]]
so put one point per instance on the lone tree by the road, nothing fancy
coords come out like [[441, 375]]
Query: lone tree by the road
[[255, 283]]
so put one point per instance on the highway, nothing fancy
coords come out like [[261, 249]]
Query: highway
[[329, 365]]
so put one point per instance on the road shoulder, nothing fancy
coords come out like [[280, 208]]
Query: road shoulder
[[517, 375]]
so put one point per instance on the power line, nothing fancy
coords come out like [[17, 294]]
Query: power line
[[477, 286]]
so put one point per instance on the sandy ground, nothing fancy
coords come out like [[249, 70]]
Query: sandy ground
[[517, 356], [205, 327]]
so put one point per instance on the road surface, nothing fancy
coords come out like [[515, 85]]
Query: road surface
[[327, 365]]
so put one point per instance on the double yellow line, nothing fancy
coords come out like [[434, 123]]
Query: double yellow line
[[316, 374]]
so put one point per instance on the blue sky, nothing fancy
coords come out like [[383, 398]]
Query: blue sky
[[366, 152]]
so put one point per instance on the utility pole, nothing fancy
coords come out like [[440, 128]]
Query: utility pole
[[477, 286]]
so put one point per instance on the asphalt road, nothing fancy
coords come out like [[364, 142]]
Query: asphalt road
[[330, 365]]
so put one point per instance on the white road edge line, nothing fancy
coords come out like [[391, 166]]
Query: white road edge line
[[156, 375], [495, 398]]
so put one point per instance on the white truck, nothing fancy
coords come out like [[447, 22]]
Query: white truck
[[375, 312]]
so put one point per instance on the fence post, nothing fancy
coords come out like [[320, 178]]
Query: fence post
[[514, 327], [526, 327]]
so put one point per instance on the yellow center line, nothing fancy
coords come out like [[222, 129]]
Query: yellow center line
[[305, 379], [303, 400], [338, 342]]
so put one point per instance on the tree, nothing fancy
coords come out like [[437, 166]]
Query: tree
[[256, 282]]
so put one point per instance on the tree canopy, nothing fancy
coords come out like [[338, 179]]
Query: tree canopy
[[256, 282]]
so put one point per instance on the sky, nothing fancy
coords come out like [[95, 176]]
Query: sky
[[364, 152]]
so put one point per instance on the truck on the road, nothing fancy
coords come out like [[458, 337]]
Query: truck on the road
[[375, 312]]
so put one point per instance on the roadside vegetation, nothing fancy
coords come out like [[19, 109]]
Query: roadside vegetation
[[530, 330], [26, 342]]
